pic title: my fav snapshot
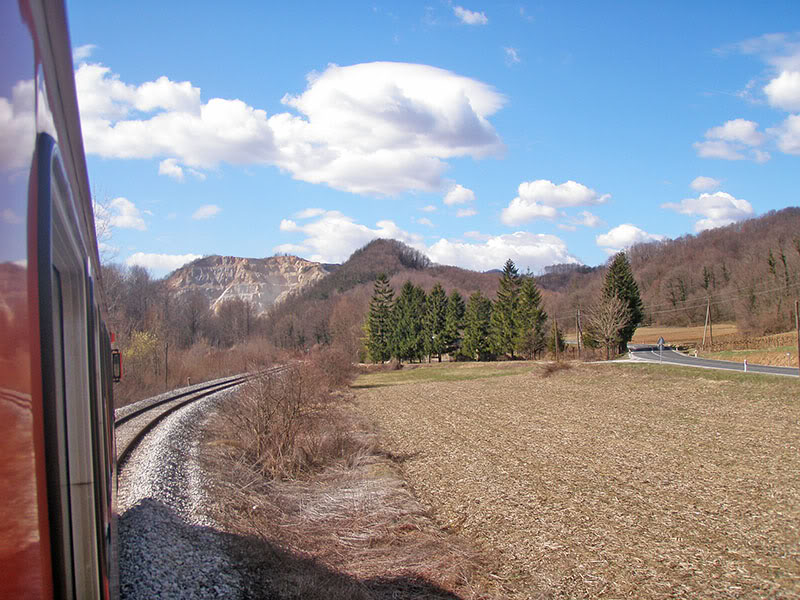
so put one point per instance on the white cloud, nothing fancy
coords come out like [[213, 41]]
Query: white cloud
[[458, 194], [206, 211], [512, 56], [527, 250], [466, 212], [17, 126], [704, 184], [737, 130], [81, 53], [734, 140], [428, 208], [309, 213], [624, 236], [540, 199], [171, 168], [160, 264], [373, 128], [469, 17], [587, 219], [477, 235], [718, 209], [788, 135], [120, 212], [425, 221], [784, 91], [333, 237]]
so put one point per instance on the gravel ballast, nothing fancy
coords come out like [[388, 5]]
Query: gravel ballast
[[169, 548]]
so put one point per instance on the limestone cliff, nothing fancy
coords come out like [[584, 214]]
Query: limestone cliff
[[260, 281]]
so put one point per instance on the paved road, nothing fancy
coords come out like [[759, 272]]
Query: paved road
[[651, 353]]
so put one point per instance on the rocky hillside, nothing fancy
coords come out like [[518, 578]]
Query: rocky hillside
[[260, 281]]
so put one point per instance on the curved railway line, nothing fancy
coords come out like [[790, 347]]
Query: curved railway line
[[135, 421]]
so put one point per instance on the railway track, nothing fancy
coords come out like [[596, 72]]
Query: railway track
[[131, 426]]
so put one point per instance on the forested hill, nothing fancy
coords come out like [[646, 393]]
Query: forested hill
[[748, 271]]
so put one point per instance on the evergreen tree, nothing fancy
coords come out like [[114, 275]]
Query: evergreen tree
[[620, 284], [379, 320], [504, 328], [406, 341], [555, 336], [531, 318], [435, 318], [477, 322], [454, 323]]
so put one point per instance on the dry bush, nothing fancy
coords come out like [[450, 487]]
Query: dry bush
[[350, 531], [278, 423], [555, 367]]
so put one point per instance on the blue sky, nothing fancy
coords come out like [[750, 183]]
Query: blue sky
[[544, 132]]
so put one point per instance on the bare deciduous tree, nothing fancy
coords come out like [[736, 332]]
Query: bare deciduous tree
[[605, 321]]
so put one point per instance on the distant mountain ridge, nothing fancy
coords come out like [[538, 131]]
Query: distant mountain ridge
[[263, 282]]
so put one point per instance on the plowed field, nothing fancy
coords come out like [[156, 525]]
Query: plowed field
[[607, 481]]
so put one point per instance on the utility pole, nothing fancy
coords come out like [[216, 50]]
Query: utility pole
[[555, 336], [708, 314], [797, 324], [710, 325], [578, 330]]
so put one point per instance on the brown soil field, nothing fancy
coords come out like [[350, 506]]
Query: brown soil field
[[607, 480], [681, 335]]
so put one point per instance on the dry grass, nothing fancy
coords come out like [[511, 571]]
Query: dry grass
[[317, 520], [610, 480]]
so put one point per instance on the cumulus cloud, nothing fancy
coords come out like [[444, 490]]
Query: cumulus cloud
[[541, 199], [466, 212], [458, 194], [206, 211], [17, 126], [425, 221], [718, 209], [784, 91], [704, 184], [532, 251], [81, 53], [624, 236], [734, 140], [469, 17], [428, 208], [121, 213], [171, 168], [332, 237], [788, 135], [160, 264], [374, 128]]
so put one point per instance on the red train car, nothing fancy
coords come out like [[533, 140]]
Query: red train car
[[57, 471]]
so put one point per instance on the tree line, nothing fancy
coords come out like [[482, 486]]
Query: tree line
[[416, 325]]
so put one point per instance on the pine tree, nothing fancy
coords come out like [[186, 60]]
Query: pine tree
[[620, 284], [504, 326], [477, 322], [435, 319], [454, 323], [406, 341], [531, 318], [379, 320]]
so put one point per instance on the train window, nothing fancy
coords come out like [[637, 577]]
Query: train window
[[64, 306]]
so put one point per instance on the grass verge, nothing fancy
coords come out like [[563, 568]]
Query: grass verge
[[327, 520]]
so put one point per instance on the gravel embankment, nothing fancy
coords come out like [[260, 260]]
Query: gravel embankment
[[168, 547]]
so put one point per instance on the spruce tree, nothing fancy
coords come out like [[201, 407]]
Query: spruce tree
[[379, 320], [406, 341], [504, 326], [435, 319], [620, 284], [454, 323], [476, 343], [531, 317]]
